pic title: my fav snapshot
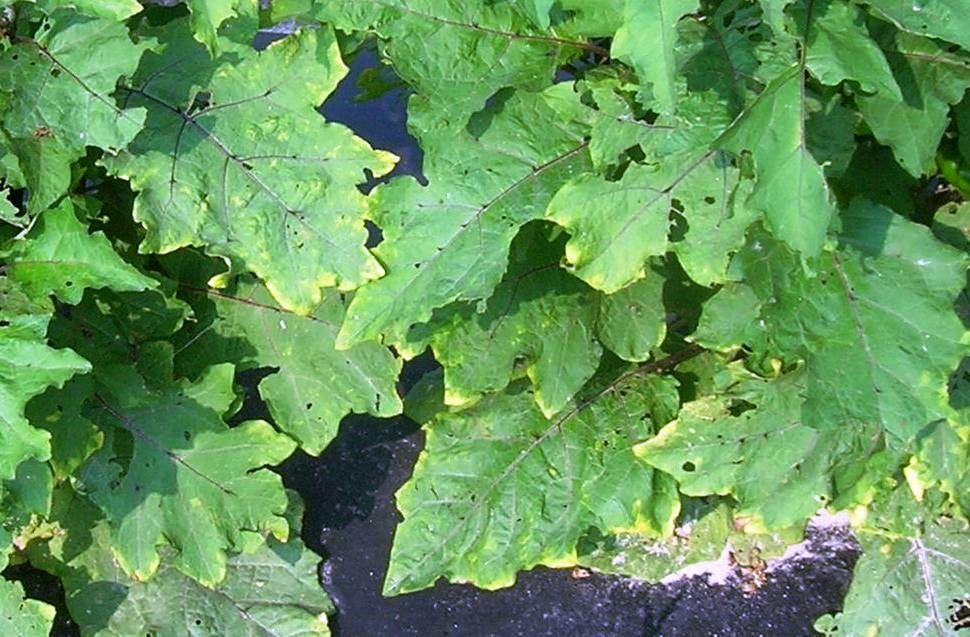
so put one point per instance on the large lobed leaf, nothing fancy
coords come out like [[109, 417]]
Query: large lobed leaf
[[458, 54], [315, 385], [875, 329], [235, 158], [56, 258], [271, 592], [908, 586], [544, 322], [60, 97], [172, 472], [500, 488], [450, 240]]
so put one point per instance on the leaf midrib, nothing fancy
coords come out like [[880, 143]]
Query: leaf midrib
[[657, 366]]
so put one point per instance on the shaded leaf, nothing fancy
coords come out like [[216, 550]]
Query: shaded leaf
[[838, 47], [931, 78], [186, 479], [543, 322], [270, 592], [316, 385], [944, 19], [28, 366], [891, 282], [59, 257]]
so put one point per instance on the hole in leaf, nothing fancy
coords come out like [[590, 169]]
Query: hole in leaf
[[688, 466], [738, 407]]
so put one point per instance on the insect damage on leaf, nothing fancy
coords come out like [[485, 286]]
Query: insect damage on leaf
[[692, 271]]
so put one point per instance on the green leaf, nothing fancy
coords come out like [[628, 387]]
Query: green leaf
[[206, 17], [909, 300], [838, 48], [20, 616], [587, 18], [773, 465], [774, 13], [46, 165], [931, 78], [234, 158], [944, 19], [542, 322], [610, 245], [539, 317], [632, 322], [449, 240], [951, 224], [874, 174], [539, 11], [28, 366], [59, 257], [73, 437], [117, 10], [500, 488], [910, 586], [108, 327], [316, 385], [172, 472], [8, 211], [273, 592], [24, 501], [428, 43], [270, 592], [942, 462], [961, 116], [889, 282], [65, 78], [616, 128], [719, 55], [646, 40], [790, 190], [830, 133]]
